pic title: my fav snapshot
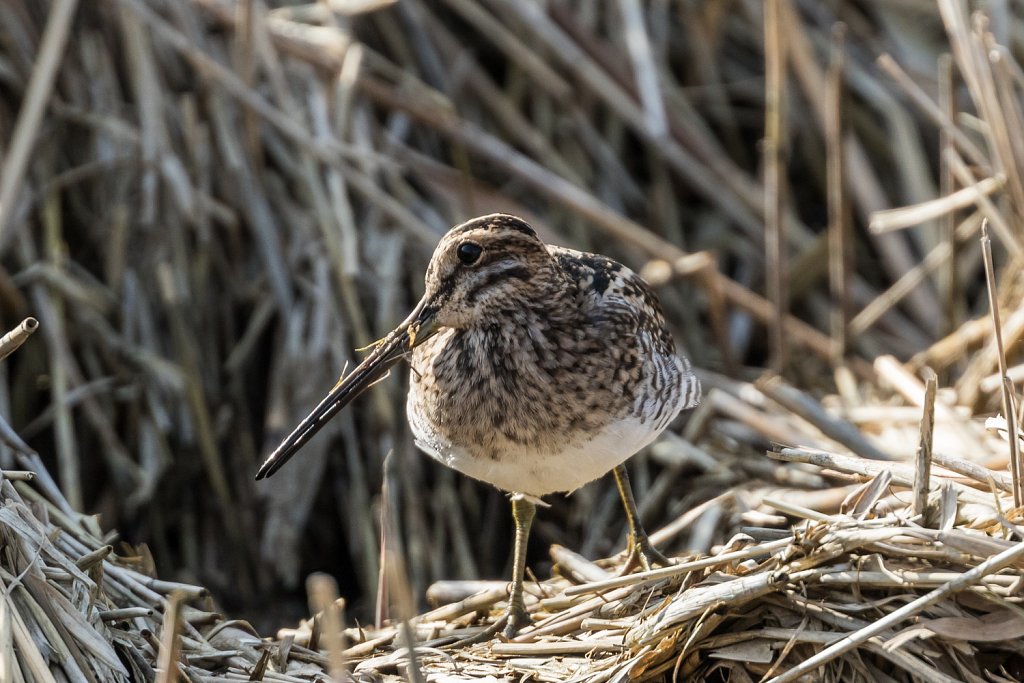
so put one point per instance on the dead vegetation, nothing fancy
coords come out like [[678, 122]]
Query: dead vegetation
[[208, 204]]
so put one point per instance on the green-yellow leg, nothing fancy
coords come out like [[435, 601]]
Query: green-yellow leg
[[638, 545], [523, 512], [515, 616]]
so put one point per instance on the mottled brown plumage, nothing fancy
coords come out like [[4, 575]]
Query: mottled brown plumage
[[544, 351], [535, 368]]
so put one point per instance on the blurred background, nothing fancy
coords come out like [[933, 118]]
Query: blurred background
[[210, 204]]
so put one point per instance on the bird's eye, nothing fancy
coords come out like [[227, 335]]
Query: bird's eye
[[469, 253]]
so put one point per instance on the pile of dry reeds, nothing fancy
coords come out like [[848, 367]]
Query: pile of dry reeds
[[73, 610], [913, 577], [207, 204]]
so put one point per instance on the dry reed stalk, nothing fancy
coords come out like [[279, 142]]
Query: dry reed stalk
[[839, 238], [324, 602], [902, 474], [947, 186], [1008, 399], [944, 206], [923, 462], [10, 342], [170, 642], [774, 150]]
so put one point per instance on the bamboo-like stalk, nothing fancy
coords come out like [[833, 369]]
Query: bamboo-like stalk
[[10, 342]]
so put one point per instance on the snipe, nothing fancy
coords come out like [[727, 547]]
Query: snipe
[[535, 368]]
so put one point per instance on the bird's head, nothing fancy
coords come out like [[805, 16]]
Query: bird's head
[[484, 268]]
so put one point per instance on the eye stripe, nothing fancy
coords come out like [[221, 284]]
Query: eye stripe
[[516, 272]]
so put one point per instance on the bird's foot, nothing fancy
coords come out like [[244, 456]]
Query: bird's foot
[[515, 619], [507, 626], [483, 636], [642, 554]]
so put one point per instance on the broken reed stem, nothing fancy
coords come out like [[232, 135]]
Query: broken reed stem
[[902, 473], [1009, 408], [395, 576], [17, 475], [923, 463], [381, 611], [170, 643], [838, 230], [324, 602], [989, 566], [775, 244], [392, 568], [944, 206], [10, 342]]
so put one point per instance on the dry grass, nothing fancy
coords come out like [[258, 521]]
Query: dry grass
[[869, 590], [207, 204]]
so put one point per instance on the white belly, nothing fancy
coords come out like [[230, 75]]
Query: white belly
[[538, 473]]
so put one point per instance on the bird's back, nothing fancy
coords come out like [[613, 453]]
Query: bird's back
[[624, 315]]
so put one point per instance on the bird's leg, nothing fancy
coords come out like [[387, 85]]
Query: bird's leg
[[637, 545], [515, 616], [523, 512]]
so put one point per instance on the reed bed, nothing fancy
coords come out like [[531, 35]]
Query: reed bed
[[831, 567], [208, 204]]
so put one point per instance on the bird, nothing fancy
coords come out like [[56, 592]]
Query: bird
[[535, 368]]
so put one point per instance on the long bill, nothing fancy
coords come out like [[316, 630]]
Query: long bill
[[414, 330]]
